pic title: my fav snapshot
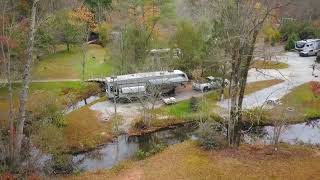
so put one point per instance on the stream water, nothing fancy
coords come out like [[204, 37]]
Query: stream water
[[82, 103], [127, 147]]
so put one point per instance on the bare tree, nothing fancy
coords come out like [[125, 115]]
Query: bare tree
[[242, 22], [6, 44]]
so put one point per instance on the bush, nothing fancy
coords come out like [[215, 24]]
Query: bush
[[104, 31], [288, 28], [59, 165], [291, 42], [139, 124], [194, 104], [272, 35], [211, 135], [156, 148]]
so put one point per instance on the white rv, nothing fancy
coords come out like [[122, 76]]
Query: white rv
[[136, 85], [310, 48]]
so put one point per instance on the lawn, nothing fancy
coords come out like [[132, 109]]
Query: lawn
[[302, 103], [260, 64], [303, 100], [55, 87], [68, 65], [85, 130], [189, 161]]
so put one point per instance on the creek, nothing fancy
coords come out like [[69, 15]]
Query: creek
[[126, 147]]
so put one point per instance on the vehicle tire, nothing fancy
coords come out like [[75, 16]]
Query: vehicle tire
[[206, 89]]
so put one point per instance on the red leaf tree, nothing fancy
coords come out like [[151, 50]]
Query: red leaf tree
[[315, 87]]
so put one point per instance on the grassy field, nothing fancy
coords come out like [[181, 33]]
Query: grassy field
[[304, 104], [260, 64], [304, 101], [55, 87], [85, 130], [188, 161], [68, 65]]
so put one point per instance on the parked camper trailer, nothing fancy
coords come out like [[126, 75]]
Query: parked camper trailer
[[310, 48], [136, 85]]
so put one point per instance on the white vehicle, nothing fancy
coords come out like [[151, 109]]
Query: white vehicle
[[274, 101], [137, 85], [169, 100], [299, 45], [311, 48], [212, 83]]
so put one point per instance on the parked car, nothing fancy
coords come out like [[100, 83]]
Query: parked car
[[210, 84]]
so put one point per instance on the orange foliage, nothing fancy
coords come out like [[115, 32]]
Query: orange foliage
[[315, 87], [84, 15], [145, 17]]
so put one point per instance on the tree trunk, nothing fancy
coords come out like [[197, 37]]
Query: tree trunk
[[68, 47], [25, 86], [7, 62]]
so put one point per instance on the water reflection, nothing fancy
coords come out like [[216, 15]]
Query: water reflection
[[308, 133], [126, 147]]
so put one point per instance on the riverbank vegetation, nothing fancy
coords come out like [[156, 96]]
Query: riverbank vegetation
[[188, 161], [192, 110], [300, 105], [69, 93]]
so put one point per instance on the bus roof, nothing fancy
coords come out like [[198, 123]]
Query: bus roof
[[143, 75]]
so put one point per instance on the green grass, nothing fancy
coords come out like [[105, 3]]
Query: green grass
[[260, 64], [304, 101], [68, 65], [305, 105], [55, 87], [189, 161]]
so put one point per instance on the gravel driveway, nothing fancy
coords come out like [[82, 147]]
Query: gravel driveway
[[299, 72]]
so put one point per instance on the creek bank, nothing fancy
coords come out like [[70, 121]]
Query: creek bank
[[126, 147]]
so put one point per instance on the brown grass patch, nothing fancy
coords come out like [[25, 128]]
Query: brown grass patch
[[188, 161], [85, 130]]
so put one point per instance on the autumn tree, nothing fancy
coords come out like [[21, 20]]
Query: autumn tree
[[242, 21], [99, 7], [83, 15]]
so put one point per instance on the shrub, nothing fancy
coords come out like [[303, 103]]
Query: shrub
[[194, 104], [272, 35], [211, 135], [139, 124], [104, 31], [291, 42], [256, 115], [59, 164], [155, 148], [315, 87], [288, 28]]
